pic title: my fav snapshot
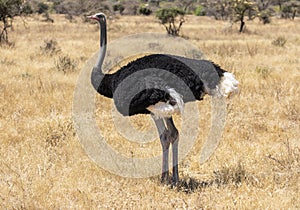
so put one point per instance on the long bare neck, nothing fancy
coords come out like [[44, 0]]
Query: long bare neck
[[97, 74], [103, 43]]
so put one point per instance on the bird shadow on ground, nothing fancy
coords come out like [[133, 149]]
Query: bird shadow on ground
[[186, 184], [191, 185], [234, 175]]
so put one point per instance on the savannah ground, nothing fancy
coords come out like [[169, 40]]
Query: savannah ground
[[256, 166]]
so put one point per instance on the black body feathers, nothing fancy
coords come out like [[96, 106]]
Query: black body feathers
[[146, 81]]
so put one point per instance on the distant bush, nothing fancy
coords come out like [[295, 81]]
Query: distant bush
[[145, 10], [66, 7], [172, 19], [42, 8], [199, 11], [118, 8], [264, 16], [27, 8]]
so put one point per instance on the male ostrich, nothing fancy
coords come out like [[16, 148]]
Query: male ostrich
[[159, 94]]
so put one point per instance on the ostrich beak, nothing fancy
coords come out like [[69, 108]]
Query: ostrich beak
[[92, 17]]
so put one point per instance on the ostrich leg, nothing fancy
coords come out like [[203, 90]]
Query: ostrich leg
[[165, 143], [167, 136], [173, 138]]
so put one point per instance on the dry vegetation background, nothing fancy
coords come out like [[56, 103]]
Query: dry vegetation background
[[43, 165]]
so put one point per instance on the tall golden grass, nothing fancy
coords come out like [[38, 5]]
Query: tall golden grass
[[257, 164]]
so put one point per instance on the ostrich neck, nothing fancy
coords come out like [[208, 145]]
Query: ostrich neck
[[103, 43], [97, 74]]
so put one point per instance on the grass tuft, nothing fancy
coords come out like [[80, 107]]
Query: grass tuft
[[66, 64], [230, 175], [50, 47], [279, 41]]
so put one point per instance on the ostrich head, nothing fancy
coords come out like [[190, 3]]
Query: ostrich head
[[100, 17]]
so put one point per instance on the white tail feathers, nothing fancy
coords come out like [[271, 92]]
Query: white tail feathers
[[228, 85]]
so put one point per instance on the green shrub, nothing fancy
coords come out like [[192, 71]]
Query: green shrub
[[264, 16], [199, 11], [172, 19]]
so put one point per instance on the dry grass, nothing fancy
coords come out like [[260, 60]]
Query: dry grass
[[257, 164]]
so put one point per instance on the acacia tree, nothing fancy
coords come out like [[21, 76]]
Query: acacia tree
[[239, 9], [8, 10], [172, 19]]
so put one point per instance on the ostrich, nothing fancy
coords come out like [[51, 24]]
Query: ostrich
[[160, 93]]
